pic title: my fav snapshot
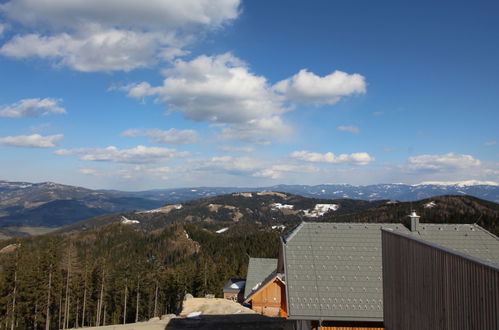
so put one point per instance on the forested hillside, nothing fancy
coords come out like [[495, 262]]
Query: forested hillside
[[440, 209], [87, 278]]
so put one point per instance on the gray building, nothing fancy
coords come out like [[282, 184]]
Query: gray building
[[334, 270], [428, 286]]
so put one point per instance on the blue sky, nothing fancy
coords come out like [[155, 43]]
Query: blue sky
[[134, 95]]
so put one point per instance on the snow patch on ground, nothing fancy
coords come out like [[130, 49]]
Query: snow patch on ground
[[127, 221], [430, 205], [223, 230], [279, 206], [164, 209], [320, 210]]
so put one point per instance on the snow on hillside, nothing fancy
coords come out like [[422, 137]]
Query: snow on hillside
[[320, 210], [127, 221], [430, 205], [223, 230], [279, 206], [164, 209], [466, 183]]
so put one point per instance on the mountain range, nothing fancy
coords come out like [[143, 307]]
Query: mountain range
[[54, 205]]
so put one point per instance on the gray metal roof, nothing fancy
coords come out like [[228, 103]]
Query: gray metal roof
[[333, 270], [259, 269]]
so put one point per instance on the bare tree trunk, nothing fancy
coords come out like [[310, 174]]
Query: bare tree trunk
[[124, 307], [47, 321], [35, 321], [66, 323], [137, 309], [77, 309], [84, 299], [60, 309], [156, 300], [101, 301], [14, 292], [104, 317]]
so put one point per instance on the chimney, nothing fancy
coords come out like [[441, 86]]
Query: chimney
[[414, 224]]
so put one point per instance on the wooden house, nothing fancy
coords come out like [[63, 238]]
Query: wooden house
[[265, 288]]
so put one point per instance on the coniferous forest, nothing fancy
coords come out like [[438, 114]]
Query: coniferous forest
[[115, 274]]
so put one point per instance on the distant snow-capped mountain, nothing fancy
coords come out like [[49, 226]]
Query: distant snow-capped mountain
[[394, 191]]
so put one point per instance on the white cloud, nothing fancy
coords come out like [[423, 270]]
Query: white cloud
[[443, 162], [32, 108], [222, 90], [92, 35], [171, 136], [256, 131], [88, 171], [31, 141], [94, 49], [281, 170], [490, 143], [236, 149], [139, 154], [359, 158], [351, 129], [124, 13], [307, 87], [233, 165], [216, 89], [143, 172]]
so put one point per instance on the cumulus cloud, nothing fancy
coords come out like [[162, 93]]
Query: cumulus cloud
[[220, 89], [359, 158], [139, 154], [443, 162], [307, 87], [171, 136], [126, 13], [32, 108], [94, 49], [92, 35], [351, 129], [217, 89], [31, 141]]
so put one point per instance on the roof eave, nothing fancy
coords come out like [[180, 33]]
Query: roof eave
[[335, 318]]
